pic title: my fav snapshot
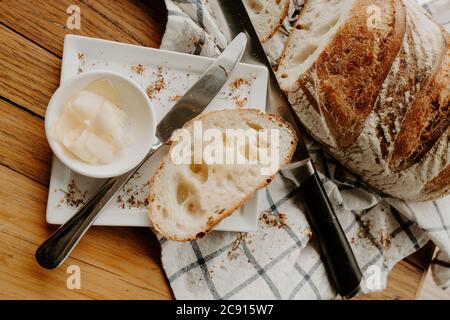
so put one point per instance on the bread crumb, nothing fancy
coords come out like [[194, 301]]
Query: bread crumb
[[234, 253], [308, 232], [138, 69], [157, 85], [81, 57], [133, 195], [73, 196], [240, 103], [239, 92], [273, 220], [175, 98]]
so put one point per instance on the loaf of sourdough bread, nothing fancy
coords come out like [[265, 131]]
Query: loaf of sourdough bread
[[267, 16], [369, 79], [186, 200]]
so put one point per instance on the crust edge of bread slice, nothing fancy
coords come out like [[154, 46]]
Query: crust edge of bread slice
[[213, 221], [277, 26]]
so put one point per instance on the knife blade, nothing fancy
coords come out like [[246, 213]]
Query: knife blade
[[204, 90], [60, 244], [340, 262]]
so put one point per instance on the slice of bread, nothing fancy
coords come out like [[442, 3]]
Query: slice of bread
[[267, 16], [188, 200]]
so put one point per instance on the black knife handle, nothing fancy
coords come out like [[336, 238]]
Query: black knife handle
[[338, 255]]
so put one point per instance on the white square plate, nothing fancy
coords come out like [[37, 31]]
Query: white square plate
[[168, 75]]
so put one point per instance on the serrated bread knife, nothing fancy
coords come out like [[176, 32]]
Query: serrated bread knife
[[342, 267], [58, 247]]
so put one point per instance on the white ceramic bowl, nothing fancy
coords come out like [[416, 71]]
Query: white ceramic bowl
[[140, 125]]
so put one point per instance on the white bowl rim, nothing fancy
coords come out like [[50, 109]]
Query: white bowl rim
[[52, 108]]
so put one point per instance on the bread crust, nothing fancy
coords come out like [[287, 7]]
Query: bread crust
[[439, 183], [347, 80], [427, 118], [214, 221], [397, 142], [281, 19]]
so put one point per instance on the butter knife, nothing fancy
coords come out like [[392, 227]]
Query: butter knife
[[53, 252], [342, 267]]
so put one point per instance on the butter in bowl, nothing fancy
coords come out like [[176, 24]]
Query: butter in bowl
[[100, 124]]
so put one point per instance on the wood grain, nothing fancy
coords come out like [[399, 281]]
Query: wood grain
[[29, 74], [23, 143], [44, 22], [115, 263]]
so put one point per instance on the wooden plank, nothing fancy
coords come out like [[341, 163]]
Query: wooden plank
[[402, 284], [116, 263], [406, 278], [23, 144], [137, 19], [44, 22], [29, 74], [39, 283]]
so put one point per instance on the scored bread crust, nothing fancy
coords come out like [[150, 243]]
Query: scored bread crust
[[215, 220], [340, 67], [398, 141]]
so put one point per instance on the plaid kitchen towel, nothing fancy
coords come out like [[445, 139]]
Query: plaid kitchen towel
[[281, 260]]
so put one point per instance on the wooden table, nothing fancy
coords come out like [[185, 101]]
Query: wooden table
[[116, 263]]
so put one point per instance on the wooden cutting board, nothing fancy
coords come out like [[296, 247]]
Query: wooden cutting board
[[115, 263]]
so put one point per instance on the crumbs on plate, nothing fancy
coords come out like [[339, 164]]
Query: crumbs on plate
[[138, 69], [82, 59], [73, 196], [240, 91], [157, 85], [175, 98], [133, 195]]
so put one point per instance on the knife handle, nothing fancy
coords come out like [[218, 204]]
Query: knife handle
[[338, 255]]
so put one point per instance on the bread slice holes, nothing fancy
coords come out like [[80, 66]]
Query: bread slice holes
[[254, 126], [187, 196], [255, 6], [200, 171], [305, 53], [284, 75], [245, 150], [165, 213], [304, 26], [193, 206], [224, 139], [182, 192]]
